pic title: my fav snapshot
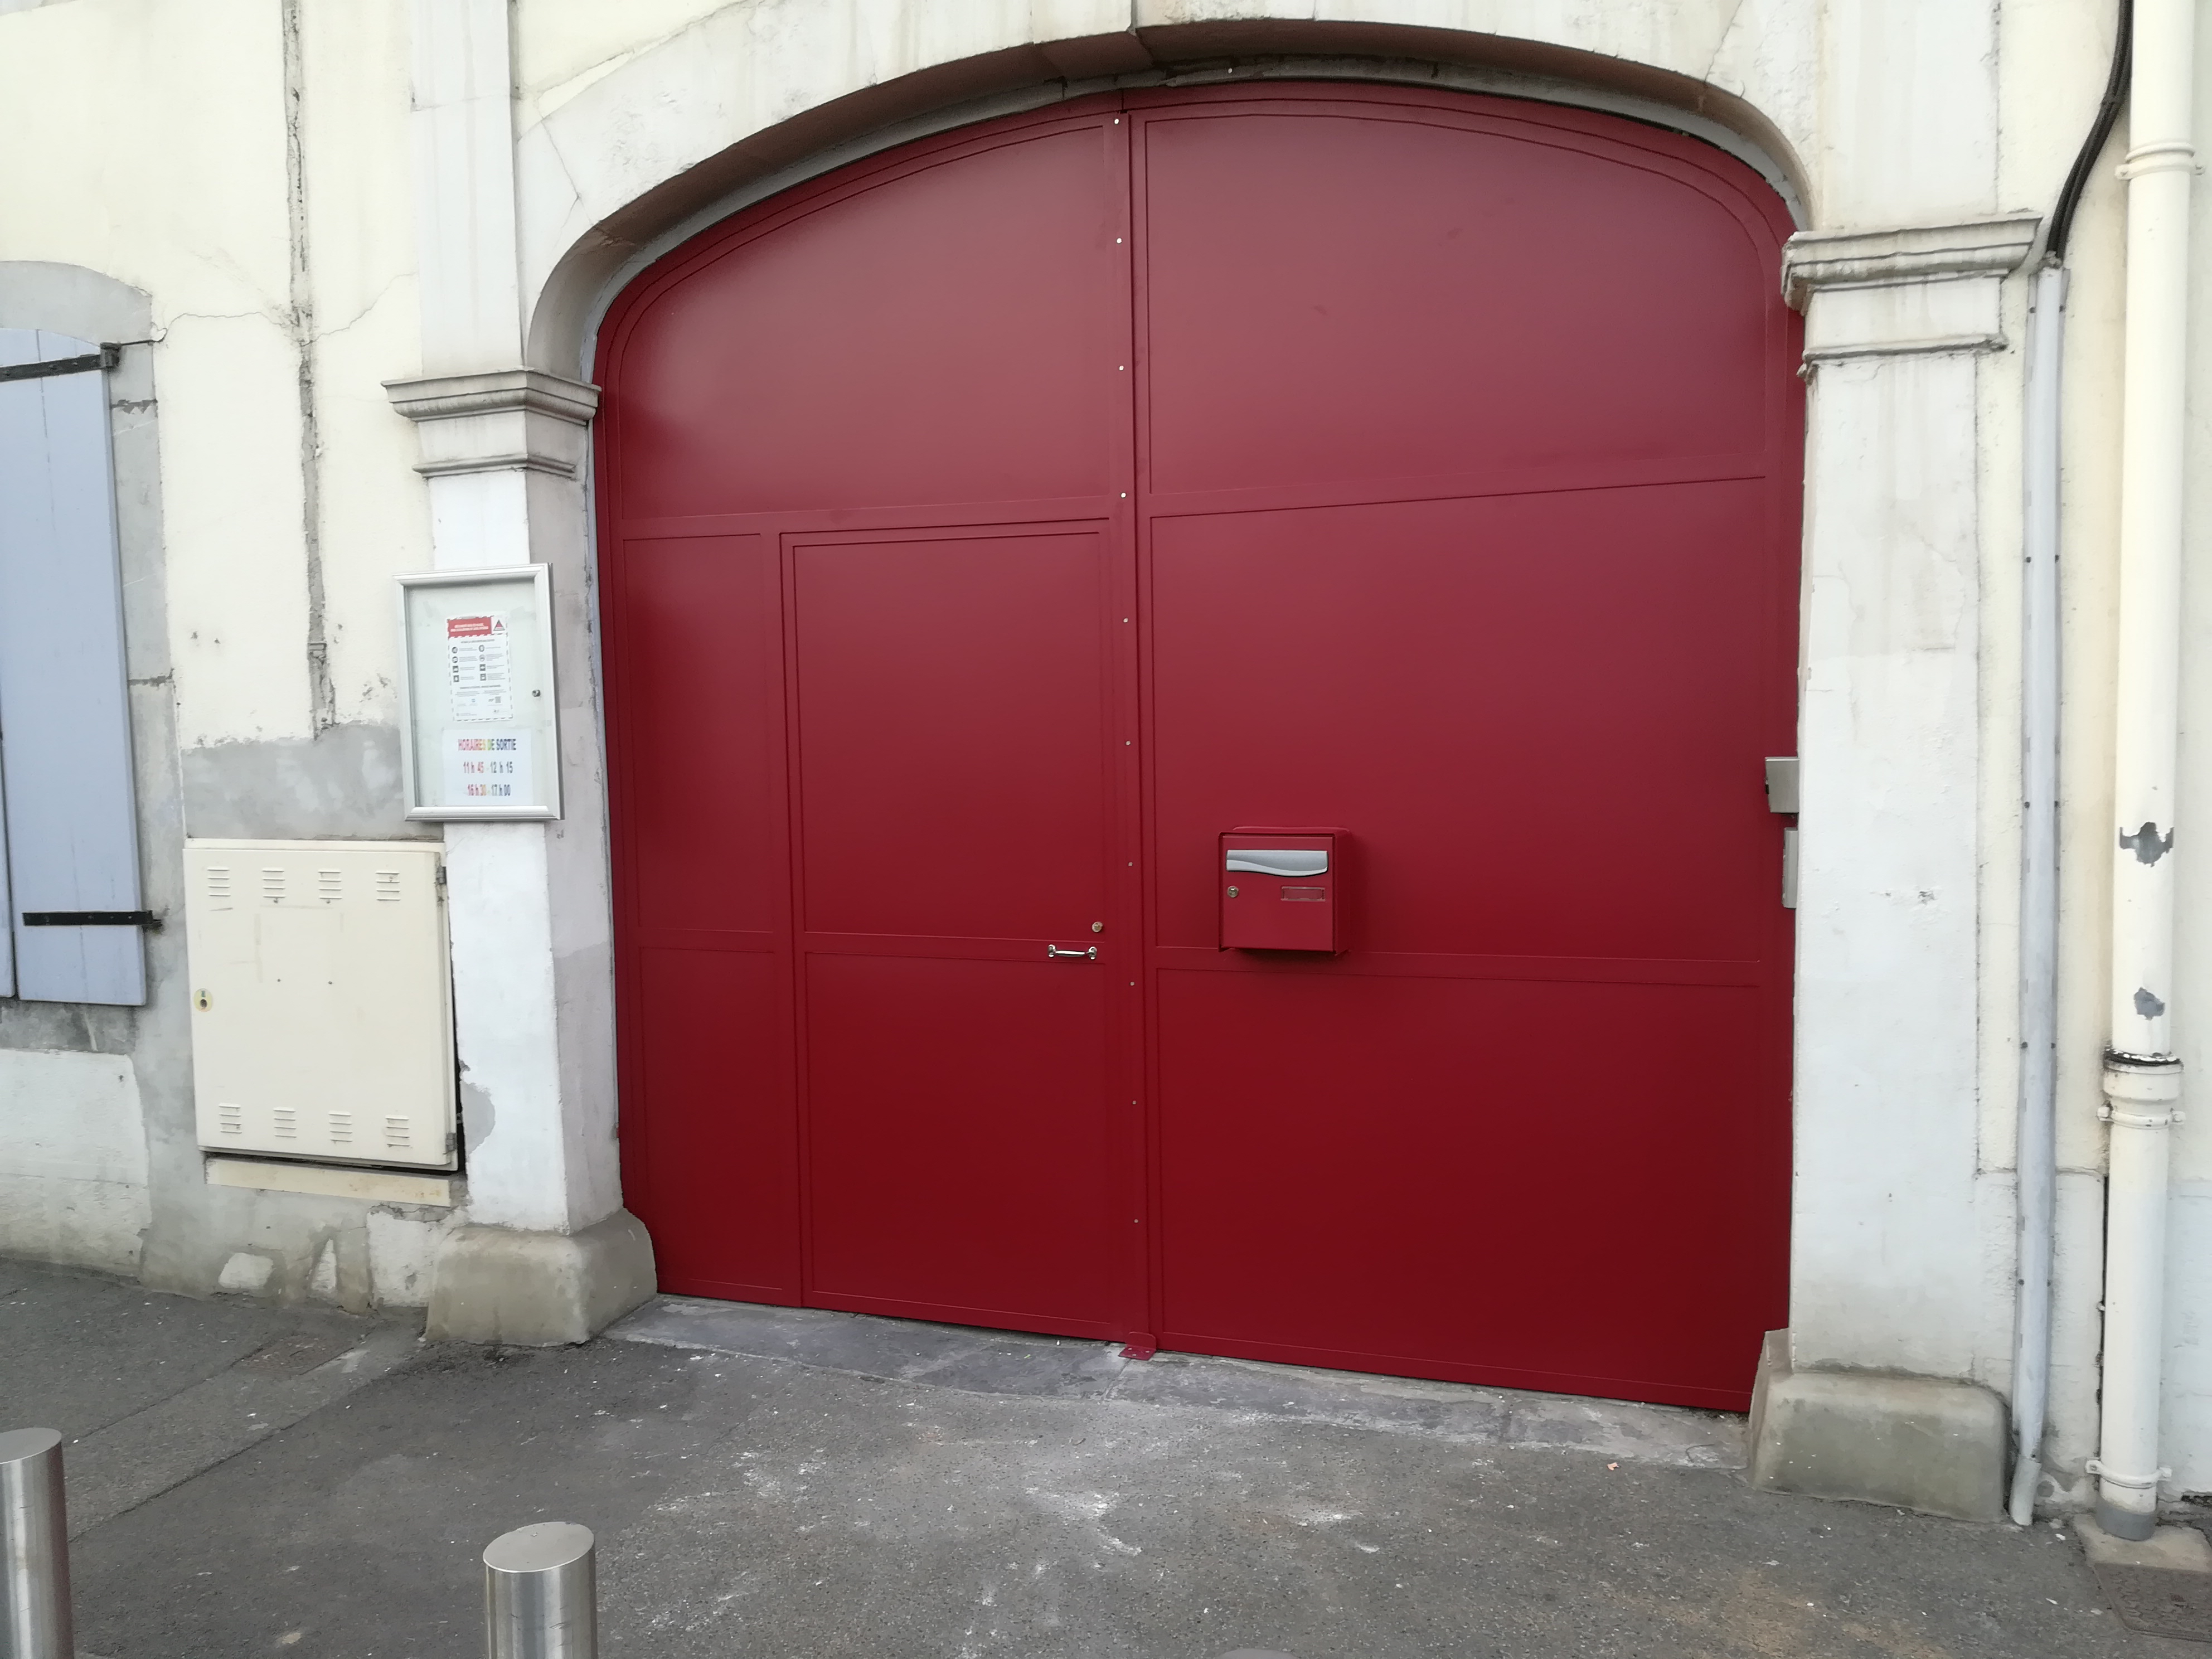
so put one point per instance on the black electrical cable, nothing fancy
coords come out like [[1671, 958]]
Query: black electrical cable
[[2108, 112]]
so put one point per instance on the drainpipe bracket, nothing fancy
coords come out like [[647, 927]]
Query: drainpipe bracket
[[2131, 1482], [2137, 1120], [2165, 156]]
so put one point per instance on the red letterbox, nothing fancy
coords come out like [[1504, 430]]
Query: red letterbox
[[1280, 889]]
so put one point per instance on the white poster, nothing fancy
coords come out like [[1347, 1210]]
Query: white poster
[[487, 767], [480, 668], [483, 739]]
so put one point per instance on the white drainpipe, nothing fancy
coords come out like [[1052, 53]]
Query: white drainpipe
[[2040, 703], [2142, 1075], [2037, 1162]]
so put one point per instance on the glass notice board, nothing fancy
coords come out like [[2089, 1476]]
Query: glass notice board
[[479, 736]]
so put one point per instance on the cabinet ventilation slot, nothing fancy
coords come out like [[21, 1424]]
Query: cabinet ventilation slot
[[272, 885], [398, 1133], [218, 886], [231, 1117], [288, 1123], [387, 887], [342, 1129], [330, 886]]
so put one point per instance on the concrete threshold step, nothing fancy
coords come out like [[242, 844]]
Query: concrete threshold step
[[1066, 1368], [2161, 1587]]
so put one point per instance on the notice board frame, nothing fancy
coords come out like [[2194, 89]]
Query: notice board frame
[[428, 600]]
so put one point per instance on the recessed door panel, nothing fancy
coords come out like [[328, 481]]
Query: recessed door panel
[[1525, 708], [961, 1143], [1474, 1178], [709, 1120], [1454, 285], [952, 698], [702, 721], [942, 328], [966, 1128], [710, 1160]]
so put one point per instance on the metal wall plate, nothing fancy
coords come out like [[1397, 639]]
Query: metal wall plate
[[2159, 1600], [1782, 783]]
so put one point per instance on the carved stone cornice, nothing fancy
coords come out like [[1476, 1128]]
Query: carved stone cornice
[[498, 421], [1906, 254]]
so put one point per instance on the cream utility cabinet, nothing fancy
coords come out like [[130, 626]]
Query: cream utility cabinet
[[322, 1011]]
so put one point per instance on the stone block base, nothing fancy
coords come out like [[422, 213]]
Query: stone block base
[[539, 1290], [1915, 1442]]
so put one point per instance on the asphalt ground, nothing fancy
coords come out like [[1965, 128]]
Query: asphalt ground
[[253, 1479]]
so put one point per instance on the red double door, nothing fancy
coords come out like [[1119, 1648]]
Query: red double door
[[989, 526]]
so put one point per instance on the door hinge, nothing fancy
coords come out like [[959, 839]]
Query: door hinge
[[1782, 784], [1782, 797], [105, 358]]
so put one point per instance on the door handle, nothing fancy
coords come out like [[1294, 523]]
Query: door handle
[[1052, 951]]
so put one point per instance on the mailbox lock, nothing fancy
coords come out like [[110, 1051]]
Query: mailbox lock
[[203, 1001], [1305, 864]]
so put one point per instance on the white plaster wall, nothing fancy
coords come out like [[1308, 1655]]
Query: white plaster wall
[[1886, 1256], [374, 520], [561, 48], [172, 176], [173, 181], [1907, 112], [2186, 1427], [72, 1184]]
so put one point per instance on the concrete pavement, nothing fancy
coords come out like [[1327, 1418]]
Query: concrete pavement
[[294, 1482]]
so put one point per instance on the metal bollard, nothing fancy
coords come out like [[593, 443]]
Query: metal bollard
[[541, 1598], [35, 1621]]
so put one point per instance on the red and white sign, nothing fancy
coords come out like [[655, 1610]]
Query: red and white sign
[[488, 768], [480, 670]]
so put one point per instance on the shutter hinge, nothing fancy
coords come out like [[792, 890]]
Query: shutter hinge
[[146, 919], [105, 358]]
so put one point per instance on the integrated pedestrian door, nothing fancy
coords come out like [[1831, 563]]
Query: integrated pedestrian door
[[1187, 684]]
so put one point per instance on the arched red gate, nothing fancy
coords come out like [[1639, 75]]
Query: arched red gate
[[990, 525]]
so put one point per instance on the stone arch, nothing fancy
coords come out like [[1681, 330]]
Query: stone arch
[[683, 134]]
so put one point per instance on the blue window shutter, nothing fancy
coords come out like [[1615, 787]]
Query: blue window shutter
[[7, 933], [65, 782]]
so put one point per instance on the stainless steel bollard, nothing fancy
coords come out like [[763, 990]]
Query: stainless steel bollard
[[541, 1598], [34, 1619]]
